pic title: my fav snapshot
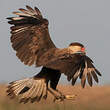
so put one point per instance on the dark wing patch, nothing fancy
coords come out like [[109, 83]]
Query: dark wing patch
[[30, 37]]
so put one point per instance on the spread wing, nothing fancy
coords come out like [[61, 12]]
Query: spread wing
[[74, 66], [30, 36], [82, 67]]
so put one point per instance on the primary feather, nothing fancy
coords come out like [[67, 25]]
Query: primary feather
[[30, 37]]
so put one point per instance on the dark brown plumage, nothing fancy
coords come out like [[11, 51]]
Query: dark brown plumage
[[31, 40]]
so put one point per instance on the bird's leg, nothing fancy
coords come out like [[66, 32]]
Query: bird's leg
[[59, 92], [56, 97]]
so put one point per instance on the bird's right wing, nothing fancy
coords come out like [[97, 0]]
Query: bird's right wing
[[81, 66], [30, 36], [72, 65]]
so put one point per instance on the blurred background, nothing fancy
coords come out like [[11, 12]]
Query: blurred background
[[85, 21]]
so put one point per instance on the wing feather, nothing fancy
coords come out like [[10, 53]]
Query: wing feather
[[26, 11], [76, 75], [30, 9], [30, 36], [84, 75], [74, 66], [89, 78], [94, 76]]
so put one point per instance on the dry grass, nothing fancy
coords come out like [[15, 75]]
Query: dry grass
[[95, 98]]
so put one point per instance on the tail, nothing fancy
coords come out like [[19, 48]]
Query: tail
[[28, 89]]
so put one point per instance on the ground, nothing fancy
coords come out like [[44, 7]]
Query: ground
[[95, 98]]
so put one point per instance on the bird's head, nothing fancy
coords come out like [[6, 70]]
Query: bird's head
[[76, 47]]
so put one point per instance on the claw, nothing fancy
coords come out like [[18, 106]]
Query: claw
[[59, 98], [56, 98], [62, 97]]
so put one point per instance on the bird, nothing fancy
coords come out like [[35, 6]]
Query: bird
[[31, 40]]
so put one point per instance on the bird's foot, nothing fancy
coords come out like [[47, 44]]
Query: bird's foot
[[59, 98], [68, 97], [63, 97]]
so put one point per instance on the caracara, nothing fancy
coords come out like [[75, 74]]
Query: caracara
[[31, 40]]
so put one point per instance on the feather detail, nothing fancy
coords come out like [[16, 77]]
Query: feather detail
[[30, 37], [89, 78], [27, 89], [21, 14], [26, 11], [30, 9], [94, 76], [83, 78], [76, 76]]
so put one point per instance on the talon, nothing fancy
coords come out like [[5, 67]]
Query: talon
[[56, 98], [60, 98]]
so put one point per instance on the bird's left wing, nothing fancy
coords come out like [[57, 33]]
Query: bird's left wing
[[30, 36]]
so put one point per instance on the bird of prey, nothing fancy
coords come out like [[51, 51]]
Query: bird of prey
[[31, 40]]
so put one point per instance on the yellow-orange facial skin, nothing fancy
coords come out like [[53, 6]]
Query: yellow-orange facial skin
[[75, 49]]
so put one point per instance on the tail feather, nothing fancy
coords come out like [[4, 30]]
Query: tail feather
[[39, 92], [17, 88], [29, 89], [32, 90]]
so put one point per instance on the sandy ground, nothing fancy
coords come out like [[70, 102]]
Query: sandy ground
[[95, 98]]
